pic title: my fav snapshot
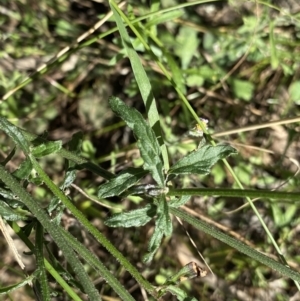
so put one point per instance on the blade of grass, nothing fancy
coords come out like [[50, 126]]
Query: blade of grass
[[89, 227], [238, 193], [39, 239], [236, 244], [89, 257], [40, 214], [274, 56], [269, 234], [143, 84], [85, 254], [162, 67], [48, 266]]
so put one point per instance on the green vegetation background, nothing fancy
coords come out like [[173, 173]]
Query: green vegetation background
[[237, 62]]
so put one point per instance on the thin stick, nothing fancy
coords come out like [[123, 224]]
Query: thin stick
[[90, 198], [256, 127], [11, 243], [194, 245]]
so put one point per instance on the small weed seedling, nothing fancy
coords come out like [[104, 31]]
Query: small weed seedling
[[199, 161]]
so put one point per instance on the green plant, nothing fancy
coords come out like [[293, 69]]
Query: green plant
[[183, 68], [158, 208]]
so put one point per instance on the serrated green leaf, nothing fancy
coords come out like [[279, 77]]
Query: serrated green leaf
[[10, 214], [163, 221], [147, 142], [154, 244], [17, 136], [178, 202], [133, 218], [201, 160], [121, 182], [46, 148], [163, 226]]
